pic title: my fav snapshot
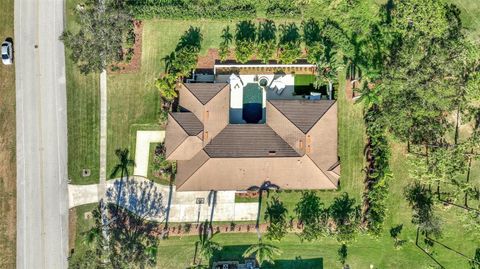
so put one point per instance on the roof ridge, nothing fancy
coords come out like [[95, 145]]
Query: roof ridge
[[203, 83], [333, 183], [183, 127], [301, 100], [196, 170], [281, 112], [218, 147]]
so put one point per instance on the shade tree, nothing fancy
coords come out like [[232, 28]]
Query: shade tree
[[312, 215], [98, 43], [345, 215], [420, 198]]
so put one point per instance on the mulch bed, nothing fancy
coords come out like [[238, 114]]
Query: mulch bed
[[72, 228], [134, 64], [194, 229]]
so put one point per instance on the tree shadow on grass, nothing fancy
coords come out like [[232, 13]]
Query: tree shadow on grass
[[298, 263], [192, 38], [234, 253]]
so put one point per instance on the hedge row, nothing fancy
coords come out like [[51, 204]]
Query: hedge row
[[378, 171], [207, 9]]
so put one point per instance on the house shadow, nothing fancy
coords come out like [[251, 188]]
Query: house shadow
[[234, 253]]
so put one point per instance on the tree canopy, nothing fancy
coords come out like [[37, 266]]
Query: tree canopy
[[101, 35]]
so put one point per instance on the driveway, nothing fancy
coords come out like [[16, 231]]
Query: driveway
[[194, 206]]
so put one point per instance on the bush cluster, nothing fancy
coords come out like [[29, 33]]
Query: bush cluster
[[191, 9], [378, 171], [210, 9]]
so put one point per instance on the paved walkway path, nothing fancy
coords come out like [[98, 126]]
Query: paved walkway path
[[142, 150], [183, 207], [103, 132]]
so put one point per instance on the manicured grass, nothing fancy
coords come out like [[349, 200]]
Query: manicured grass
[[470, 18], [304, 84], [7, 147], [83, 111]]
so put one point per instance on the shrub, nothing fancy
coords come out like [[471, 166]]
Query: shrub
[[189, 9], [266, 40], [245, 41], [289, 43], [282, 8], [276, 214]]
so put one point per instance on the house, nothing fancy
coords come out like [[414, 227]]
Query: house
[[240, 131]]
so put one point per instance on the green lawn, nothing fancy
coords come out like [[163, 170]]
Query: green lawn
[[83, 110], [470, 16]]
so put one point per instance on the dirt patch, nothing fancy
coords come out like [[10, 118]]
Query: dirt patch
[[72, 228], [208, 60], [188, 229], [136, 61]]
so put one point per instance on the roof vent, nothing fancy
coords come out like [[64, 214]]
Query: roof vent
[[272, 152]]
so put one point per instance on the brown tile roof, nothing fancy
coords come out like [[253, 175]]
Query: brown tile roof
[[189, 122], [303, 113], [298, 173], [248, 140], [204, 92], [295, 149]]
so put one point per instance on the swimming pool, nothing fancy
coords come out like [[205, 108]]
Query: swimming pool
[[252, 103]]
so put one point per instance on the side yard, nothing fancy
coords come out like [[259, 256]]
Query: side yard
[[83, 110], [7, 147]]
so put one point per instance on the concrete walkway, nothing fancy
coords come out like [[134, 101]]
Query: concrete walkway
[[103, 132], [142, 150], [183, 207]]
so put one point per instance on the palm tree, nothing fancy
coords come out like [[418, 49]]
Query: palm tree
[[370, 96], [166, 86], [263, 252], [123, 165], [327, 72], [226, 36], [266, 186], [205, 246]]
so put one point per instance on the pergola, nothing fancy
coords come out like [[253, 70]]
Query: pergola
[[259, 68]]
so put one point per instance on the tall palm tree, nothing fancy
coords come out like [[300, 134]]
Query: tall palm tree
[[204, 245], [327, 72], [266, 186], [124, 163], [226, 36], [370, 96], [263, 252]]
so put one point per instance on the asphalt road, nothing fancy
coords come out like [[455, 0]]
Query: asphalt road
[[42, 199]]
